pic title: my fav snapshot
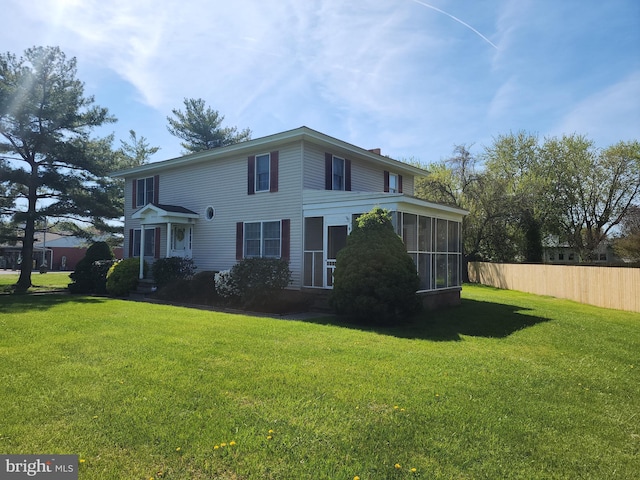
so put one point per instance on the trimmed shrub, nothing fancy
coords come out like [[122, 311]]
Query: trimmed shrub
[[203, 285], [85, 278], [254, 281], [99, 271], [123, 276], [375, 281], [225, 286], [200, 289], [170, 269]]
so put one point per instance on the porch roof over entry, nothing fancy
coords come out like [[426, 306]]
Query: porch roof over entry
[[155, 213]]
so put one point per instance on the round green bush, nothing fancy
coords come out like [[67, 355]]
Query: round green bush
[[170, 269], [86, 278], [375, 281], [122, 277], [257, 280]]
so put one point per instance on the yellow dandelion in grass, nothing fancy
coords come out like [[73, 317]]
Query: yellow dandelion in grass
[[396, 407], [269, 437], [216, 447], [356, 477], [82, 460], [223, 445], [413, 470], [232, 443], [402, 409], [398, 466], [271, 431], [178, 449]]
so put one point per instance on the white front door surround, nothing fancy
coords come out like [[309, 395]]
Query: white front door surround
[[179, 222], [180, 240]]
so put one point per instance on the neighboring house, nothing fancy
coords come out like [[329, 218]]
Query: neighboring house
[[564, 254], [292, 195], [559, 252], [57, 252]]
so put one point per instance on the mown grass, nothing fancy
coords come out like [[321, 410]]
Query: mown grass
[[42, 282], [508, 385]]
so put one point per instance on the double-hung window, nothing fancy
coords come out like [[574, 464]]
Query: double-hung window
[[262, 172], [149, 242], [144, 191], [262, 239], [393, 183], [338, 173]]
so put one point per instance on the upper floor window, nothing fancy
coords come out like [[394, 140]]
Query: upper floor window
[[262, 173], [145, 191], [337, 171], [392, 182]]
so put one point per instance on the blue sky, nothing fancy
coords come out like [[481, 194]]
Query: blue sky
[[414, 78]]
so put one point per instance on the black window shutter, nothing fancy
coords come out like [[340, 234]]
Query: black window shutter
[[156, 190], [251, 175], [135, 193], [131, 238], [328, 173], [239, 240], [386, 180], [273, 171], [399, 183], [347, 175], [285, 248]]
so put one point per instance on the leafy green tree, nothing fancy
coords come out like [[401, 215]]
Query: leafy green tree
[[375, 281], [55, 169], [461, 181], [200, 127], [520, 190], [627, 243], [592, 189]]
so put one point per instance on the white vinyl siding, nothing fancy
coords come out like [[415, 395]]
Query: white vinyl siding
[[222, 184], [365, 176]]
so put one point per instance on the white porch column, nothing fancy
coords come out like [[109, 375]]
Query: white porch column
[[169, 233], [141, 274]]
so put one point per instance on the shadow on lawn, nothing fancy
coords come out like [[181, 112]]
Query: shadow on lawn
[[472, 318], [19, 303]]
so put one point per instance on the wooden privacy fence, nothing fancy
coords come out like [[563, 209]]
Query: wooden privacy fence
[[609, 287]]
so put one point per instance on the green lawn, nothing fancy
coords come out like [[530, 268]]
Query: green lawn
[[41, 281], [509, 385]]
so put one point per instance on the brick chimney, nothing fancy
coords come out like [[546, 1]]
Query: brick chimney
[[375, 150]]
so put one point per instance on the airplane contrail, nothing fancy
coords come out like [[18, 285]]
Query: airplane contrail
[[457, 20]]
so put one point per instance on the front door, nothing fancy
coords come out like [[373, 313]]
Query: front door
[[181, 241]]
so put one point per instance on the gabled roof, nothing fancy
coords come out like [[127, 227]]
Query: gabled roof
[[272, 141], [153, 213]]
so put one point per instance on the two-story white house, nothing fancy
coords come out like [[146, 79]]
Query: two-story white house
[[292, 195]]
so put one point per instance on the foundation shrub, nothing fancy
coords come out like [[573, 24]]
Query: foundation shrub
[[122, 277], [253, 282], [170, 269]]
